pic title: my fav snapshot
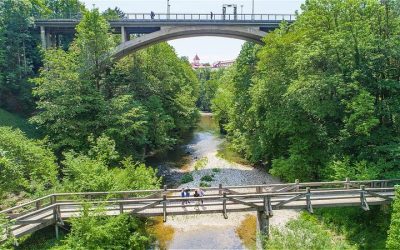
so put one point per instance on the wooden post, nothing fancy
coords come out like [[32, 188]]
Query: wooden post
[[38, 205], [258, 189], [268, 206], [364, 204], [55, 217], [308, 200], [165, 208], [224, 206], [220, 189], [262, 228], [121, 208], [347, 184], [53, 199], [297, 185]]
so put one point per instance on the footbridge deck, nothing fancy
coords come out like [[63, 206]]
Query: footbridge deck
[[55, 208]]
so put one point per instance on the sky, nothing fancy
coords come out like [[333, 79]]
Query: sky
[[209, 49]]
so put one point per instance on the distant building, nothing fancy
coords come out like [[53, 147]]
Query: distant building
[[196, 64]]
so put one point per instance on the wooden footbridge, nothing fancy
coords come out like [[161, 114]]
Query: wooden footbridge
[[54, 209]]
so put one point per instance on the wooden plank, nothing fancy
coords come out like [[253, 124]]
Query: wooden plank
[[250, 204], [145, 207], [295, 198]]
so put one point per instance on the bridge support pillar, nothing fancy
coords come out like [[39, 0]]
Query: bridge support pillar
[[262, 228], [43, 36], [124, 35]]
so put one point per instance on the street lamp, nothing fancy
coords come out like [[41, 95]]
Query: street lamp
[[241, 11], [168, 9]]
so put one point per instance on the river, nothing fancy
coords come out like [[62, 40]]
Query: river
[[198, 156]]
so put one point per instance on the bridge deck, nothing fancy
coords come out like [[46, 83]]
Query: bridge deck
[[56, 208]]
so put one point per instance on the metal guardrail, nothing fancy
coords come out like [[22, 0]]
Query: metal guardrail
[[185, 17]]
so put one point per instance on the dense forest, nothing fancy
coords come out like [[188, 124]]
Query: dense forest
[[91, 127], [319, 101]]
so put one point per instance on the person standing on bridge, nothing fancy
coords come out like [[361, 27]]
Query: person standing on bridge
[[201, 194], [187, 195], [152, 15], [212, 15], [183, 195]]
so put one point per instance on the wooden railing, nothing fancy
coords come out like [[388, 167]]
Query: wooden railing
[[54, 208]]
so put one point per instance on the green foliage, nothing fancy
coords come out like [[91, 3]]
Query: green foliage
[[206, 178], [83, 174], [205, 184], [208, 87], [366, 229], [94, 231], [320, 99], [8, 119], [25, 164], [199, 164], [216, 170], [144, 102], [70, 108], [19, 57], [393, 241], [186, 178], [305, 233]]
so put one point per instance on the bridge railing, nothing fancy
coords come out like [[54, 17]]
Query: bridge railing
[[240, 191], [184, 17]]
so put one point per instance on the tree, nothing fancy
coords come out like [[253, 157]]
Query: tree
[[93, 230], [322, 100], [393, 241], [93, 43], [19, 57], [70, 107], [25, 164]]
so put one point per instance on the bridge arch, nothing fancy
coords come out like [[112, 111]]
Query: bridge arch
[[246, 33]]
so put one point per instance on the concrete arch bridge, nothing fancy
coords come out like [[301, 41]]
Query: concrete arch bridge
[[151, 29]]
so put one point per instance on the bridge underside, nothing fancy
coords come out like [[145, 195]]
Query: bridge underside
[[251, 34], [147, 33]]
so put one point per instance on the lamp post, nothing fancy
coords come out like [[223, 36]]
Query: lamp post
[[168, 9], [241, 11], [252, 10]]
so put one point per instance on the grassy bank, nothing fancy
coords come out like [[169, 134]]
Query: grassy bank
[[12, 120], [226, 152]]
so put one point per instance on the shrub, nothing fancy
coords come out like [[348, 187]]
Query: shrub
[[94, 231], [206, 178], [204, 184], [305, 233], [25, 164], [188, 177], [201, 163], [393, 241], [216, 170]]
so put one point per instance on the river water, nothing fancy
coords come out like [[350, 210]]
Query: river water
[[209, 231]]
